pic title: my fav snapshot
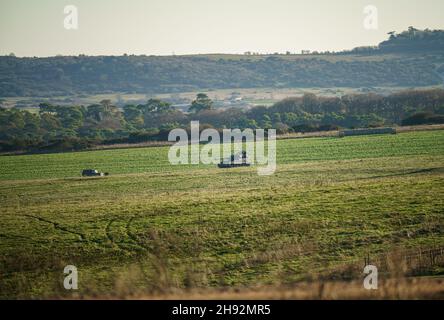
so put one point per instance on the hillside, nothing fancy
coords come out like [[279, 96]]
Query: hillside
[[412, 58], [153, 228]]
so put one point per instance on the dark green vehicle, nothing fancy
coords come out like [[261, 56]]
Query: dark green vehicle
[[93, 173], [236, 160]]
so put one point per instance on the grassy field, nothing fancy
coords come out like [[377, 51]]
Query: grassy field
[[250, 96], [151, 228]]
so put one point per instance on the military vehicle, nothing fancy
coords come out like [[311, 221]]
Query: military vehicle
[[93, 173], [236, 160]]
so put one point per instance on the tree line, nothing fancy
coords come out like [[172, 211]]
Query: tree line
[[416, 59], [61, 128]]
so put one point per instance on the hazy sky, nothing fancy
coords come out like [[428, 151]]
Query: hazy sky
[[164, 27]]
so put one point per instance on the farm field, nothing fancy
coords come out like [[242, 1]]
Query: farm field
[[250, 96], [150, 228]]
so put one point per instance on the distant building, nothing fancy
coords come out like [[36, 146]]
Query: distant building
[[359, 132]]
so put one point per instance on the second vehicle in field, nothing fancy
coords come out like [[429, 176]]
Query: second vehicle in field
[[236, 160], [93, 173]]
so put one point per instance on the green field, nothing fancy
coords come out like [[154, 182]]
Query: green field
[[150, 227]]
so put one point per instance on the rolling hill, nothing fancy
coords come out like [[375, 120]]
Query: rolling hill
[[412, 58]]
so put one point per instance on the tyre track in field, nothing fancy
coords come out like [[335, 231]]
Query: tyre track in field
[[107, 231], [58, 226], [128, 234], [425, 170], [154, 258], [111, 238], [133, 238]]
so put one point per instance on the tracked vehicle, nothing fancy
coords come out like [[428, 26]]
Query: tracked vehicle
[[236, 160], [93, 173]]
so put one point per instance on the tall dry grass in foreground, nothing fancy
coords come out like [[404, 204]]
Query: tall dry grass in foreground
[[405, 288], [403, 274]]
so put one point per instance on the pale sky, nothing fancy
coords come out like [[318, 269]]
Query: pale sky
[[164, 27]]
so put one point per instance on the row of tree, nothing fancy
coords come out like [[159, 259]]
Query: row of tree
[[413, 39], [78, 127]]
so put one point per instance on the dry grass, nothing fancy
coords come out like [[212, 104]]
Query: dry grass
[[406, 288], [423, 127], [395, 282]]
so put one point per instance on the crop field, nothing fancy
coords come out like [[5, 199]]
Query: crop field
[[150, 228]]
